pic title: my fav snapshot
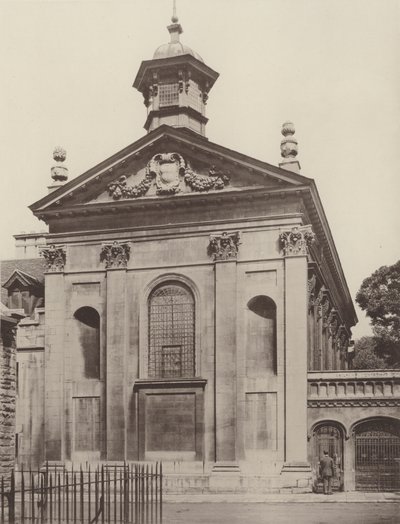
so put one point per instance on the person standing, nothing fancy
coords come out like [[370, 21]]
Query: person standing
[[326, 471]]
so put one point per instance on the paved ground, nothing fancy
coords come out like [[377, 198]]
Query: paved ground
[[282, 513]]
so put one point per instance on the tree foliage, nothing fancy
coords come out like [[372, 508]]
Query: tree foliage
[[379, 297], [365, 355]]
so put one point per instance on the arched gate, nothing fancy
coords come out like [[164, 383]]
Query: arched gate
[[377, 455], [328, 437]]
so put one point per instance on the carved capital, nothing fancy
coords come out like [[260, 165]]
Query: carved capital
[[224, 246], [325, 308], [342, 338], [312, 281], [55, 257], [115, 255], [332, 323], [297, 241]]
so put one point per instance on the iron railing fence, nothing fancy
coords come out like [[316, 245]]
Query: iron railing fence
[[128, 493]]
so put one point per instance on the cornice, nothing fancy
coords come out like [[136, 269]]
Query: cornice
[[179, 61], [355, 403], [329, 253], [150, 383], [112, 207]]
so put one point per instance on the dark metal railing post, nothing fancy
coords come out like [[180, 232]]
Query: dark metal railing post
[[160, 491], [32, 497], [102, 494], [2, 497], [11, 499], [126, 494], [82, 508], [89, 494], [51, 497], [22, 494]]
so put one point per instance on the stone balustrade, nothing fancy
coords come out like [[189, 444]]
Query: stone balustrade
[[363, 388]]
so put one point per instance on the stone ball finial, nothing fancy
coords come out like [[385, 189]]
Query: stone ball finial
[[289, 144], [59, 154], [59, 172], [288, 128]]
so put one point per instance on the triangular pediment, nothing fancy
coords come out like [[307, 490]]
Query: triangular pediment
[[168, 162], [21, 279]]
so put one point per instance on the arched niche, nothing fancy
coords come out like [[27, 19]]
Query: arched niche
[[87, 329], [260, 336]]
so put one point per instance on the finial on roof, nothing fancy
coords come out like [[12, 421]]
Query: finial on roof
[[175, 29], [59, 172], [289, 148], [174, 18]]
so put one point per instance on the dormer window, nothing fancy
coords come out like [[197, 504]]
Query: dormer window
[[24, 291], [169, 95]]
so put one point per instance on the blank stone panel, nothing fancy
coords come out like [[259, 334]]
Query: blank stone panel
[[261, 421], [86, 423], [86, 288], [171, 422]]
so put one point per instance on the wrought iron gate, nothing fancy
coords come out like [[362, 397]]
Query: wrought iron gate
[[377, 456], [119, 494]]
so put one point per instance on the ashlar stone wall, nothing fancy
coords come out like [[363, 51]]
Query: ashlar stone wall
[[7, 399]]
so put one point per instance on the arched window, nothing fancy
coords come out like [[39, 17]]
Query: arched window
[[261, 336], [171, 332], [88, 330]]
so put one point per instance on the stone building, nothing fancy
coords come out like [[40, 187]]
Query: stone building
[[195, 312]]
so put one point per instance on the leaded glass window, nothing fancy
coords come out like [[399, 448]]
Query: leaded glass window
[[171, 332], [169, 95]]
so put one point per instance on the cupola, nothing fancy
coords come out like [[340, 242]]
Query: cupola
[[175, 84]]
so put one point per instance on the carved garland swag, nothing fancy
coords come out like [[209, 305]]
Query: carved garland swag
[[167, 169]]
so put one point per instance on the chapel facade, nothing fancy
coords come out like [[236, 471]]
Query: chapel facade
[[190, 307]]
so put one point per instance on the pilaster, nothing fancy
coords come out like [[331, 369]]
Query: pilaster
[[55, 257], [223, 248], [295, 245], [115, 257]]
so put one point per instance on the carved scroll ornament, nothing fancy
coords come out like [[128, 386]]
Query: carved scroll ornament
[[224, 246], [55, 257], [115, 255], [297, 241]]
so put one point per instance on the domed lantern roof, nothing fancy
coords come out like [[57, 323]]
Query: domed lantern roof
[[175, 49], [175, 84], [175, 46]]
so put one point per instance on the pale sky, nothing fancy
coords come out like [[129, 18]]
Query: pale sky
[[330, 66]]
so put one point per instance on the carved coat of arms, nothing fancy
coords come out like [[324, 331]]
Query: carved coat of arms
[[167, 167]]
